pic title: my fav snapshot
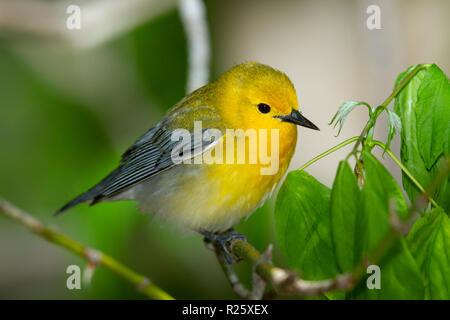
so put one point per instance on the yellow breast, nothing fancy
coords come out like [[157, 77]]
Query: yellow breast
[[241, 188]]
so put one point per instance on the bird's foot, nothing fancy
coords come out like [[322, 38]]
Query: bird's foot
[[222, 240]]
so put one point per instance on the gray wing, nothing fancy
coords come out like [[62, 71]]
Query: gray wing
[[149, 155]]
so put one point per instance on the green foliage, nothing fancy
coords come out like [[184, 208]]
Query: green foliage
[[381, 196], [433, 115], [381, 193], [346, 208], [302, 220], [344, 110], [423, 107], [324, 232], [394, 126], [429, 242]]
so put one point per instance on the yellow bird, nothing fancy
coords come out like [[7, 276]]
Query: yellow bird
[[189, 191]]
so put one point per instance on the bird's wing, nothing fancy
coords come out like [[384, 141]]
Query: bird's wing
[[150, 155]]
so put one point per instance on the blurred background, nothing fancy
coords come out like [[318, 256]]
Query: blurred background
[[71, 101]]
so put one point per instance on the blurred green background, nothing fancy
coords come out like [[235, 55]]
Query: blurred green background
[[68, 112]]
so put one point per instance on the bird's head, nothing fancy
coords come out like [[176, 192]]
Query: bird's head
[[255, 96]]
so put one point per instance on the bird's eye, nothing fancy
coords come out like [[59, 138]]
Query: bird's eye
[[263, 108]]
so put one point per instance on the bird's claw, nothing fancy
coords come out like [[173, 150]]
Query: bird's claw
[[222, 241]]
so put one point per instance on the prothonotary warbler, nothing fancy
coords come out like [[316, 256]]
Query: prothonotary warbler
[[190, 168]]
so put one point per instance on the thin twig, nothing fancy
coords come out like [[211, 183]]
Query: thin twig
[[239, 289], [94, 257], [259, 284]]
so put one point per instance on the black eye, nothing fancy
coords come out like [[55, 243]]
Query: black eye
[[263, 108]]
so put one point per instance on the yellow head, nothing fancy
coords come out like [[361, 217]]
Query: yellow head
[[255, 96]]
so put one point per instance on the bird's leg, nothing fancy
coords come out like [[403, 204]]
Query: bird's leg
[[222, 241]]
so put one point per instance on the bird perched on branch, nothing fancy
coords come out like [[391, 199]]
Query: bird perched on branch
[[188, 169]]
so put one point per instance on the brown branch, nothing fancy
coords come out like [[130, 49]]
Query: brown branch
[[285, 282], [259, 284], [239, 289]]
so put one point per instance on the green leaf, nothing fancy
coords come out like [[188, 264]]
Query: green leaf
[[433, 115], [394, 125], [302, 220], [344, 110], [380, 188], [406, 108], [429, 242], [346, 208], [400, 276]]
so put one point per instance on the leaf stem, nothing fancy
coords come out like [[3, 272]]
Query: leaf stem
[[368, 128], [405, 170], [329, 151], [403, 83]]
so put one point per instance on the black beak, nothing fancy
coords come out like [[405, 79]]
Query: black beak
[[297, 118]]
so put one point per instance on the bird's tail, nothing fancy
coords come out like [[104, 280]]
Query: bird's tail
[[92, 196], [85, 197]]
